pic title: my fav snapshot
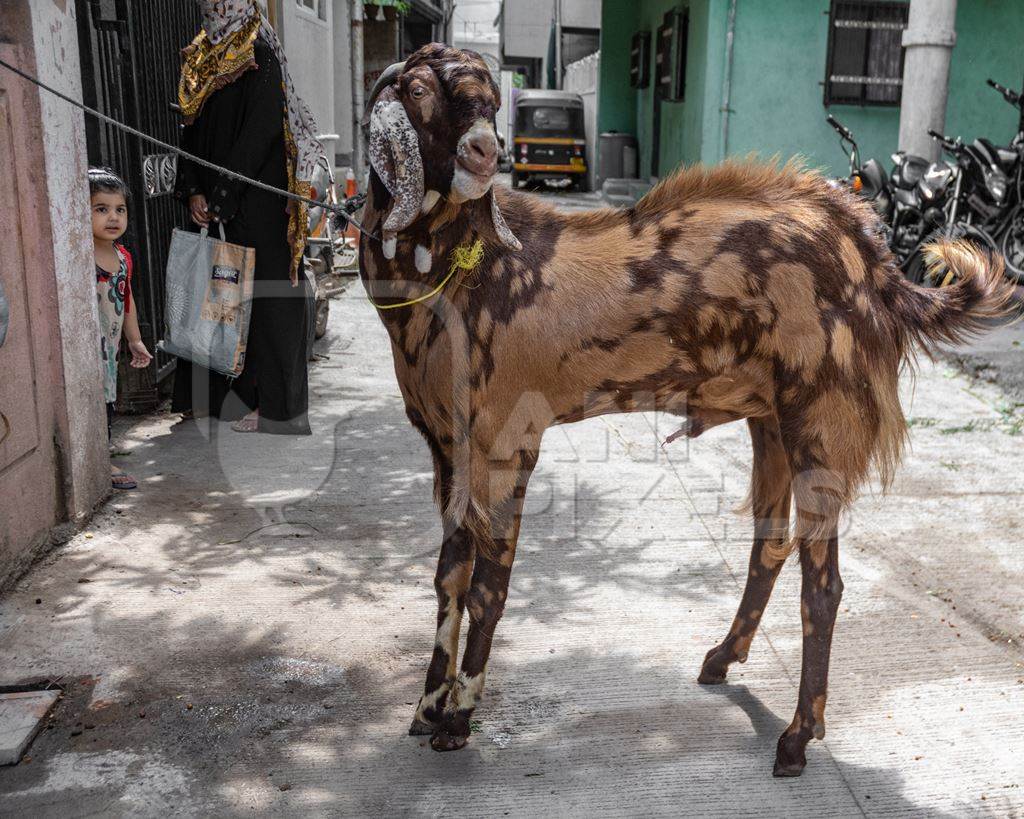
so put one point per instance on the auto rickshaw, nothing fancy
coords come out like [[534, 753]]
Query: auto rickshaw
[[549, 142]]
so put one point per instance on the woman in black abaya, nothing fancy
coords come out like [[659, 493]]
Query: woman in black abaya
[[242, 113]]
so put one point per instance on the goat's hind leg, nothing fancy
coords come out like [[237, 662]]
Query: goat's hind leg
[[820, 593], [770, 503]]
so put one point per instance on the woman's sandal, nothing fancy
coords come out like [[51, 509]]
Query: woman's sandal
[[122, 480]]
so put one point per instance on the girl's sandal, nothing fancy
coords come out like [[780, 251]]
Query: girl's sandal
[[122, 480]]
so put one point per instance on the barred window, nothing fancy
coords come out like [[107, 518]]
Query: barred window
[[865, 53]]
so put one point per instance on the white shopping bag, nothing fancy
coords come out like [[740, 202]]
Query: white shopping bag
[[209, 301]]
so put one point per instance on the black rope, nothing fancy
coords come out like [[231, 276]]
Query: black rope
[[343, 210]]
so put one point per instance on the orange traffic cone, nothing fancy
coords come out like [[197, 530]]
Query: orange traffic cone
[[350, 190]]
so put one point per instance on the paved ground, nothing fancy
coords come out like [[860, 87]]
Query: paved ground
[[997, 358], [247, 634]]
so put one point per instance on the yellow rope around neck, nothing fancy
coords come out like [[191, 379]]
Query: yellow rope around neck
[[464, 257]]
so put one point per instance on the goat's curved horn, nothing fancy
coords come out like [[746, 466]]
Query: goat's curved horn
[[395, 155], [387, 77]]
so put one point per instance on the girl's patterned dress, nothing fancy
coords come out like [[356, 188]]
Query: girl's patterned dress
[[113, 296]]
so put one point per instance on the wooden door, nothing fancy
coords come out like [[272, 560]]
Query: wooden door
[[30, 368]]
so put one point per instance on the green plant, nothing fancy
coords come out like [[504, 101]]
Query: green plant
[[400, 6]]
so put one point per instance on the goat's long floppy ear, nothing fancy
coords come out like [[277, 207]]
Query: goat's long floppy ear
[[395, 155], [505, 234]]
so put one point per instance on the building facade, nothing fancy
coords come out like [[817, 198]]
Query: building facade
[[54, 466], [772, 96], [528, 30]]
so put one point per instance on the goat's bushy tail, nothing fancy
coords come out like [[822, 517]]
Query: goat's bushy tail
[[955, 313]]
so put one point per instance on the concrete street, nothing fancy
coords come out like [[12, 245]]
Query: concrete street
[[247, 633]]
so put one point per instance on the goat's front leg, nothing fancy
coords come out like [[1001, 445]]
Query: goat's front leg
[[486, 603], [820, 593], [451, 582]]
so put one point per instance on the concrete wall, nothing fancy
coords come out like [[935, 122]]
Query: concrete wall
[[990, 34], [776, 104], [526, 27], [581, 13], [54, 465], [617, 100], [788, 117], [682, 122], [55, 41], [309, 46]]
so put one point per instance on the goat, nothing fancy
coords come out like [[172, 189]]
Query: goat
[[742, 291]]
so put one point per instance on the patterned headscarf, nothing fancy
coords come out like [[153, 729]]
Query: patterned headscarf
[[223, 51]]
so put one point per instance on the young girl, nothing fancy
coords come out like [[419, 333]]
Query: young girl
[[108, 200]]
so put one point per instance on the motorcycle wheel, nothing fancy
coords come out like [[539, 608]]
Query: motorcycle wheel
[[916, 269], [1012, 247]]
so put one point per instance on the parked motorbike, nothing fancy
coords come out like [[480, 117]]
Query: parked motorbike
[[329, 252], [868, 179], [985, 205], [921, 201], [926, 196], [1008, 225], [978, 207]]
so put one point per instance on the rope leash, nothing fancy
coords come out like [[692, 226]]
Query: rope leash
[[464, 257], [337, 210]]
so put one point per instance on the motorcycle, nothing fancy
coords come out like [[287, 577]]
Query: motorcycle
[[986, 203], [921, 195], [977, 207], [867, 180], [1008, 225], [329, 253], [922, 201]]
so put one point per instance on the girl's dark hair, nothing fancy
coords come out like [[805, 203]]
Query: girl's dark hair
[[104, 180]]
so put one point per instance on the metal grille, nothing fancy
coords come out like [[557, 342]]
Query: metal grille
[[865, 53], [130, 55]]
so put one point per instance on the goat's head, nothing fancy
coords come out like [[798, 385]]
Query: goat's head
[[431, 128]]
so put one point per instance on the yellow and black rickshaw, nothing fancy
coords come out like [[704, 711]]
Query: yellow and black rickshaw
[[548, 140]]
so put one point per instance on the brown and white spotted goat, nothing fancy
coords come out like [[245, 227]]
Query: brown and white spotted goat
[[742, 291]]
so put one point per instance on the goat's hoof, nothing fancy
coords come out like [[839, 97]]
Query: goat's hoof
[[443, 741], [790, 769], [420, 728], [714, 669], [789, 755]]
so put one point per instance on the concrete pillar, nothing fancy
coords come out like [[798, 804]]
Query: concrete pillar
[[928, 40], [342, 34], [358, 71]]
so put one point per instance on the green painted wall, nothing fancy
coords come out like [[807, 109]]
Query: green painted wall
[[778, 66], [777, 97], [990, 43], [681, 122], [617, 106]]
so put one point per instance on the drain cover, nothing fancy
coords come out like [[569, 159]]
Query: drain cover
[[21, 715]]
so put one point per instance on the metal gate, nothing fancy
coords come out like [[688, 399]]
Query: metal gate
[[130, 56]]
